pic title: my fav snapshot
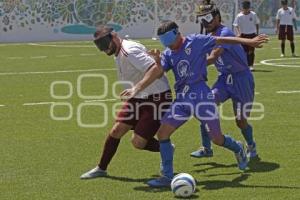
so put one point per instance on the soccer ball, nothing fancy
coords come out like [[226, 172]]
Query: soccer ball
[[183, 185]]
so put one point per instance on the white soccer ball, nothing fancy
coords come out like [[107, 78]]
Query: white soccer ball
[[183, 185]]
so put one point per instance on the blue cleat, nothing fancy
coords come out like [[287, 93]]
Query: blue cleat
[[202, 153], [160, 182], [241, 157], [251, 150]]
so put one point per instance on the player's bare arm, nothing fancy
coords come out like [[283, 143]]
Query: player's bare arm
[[211, 59], [256, 42], [238, 31], [295, 24], [277, 26], [154, 72]]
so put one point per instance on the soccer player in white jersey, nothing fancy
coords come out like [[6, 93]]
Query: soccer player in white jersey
[[285, 19], [246, 25], [140, 113]]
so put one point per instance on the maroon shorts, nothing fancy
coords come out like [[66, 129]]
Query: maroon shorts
[[145, 114], [286, 32], [247, 48]]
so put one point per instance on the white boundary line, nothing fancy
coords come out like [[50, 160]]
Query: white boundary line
[[49, 103], [288, 92], [38, 103], [61, 46], [2, 105], [266, 62], [100, 100], [38, 57], [15, 58], [55, 72]]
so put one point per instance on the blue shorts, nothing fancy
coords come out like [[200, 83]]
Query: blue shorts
[[239, 87], [198, 101]]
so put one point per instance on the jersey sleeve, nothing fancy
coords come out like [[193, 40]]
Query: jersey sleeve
[[205, 43], [257, 20], [294, 14], [140, 59], [278, 15], [236, 21], [165, 63]]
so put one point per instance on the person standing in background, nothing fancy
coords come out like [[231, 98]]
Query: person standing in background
[[246, 25], [285, 19]]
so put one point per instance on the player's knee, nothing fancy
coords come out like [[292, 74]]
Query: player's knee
[[218, 140], [138, 143], [242, 124], [116, 132]]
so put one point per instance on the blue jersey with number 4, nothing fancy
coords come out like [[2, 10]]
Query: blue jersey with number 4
[[234, 58]]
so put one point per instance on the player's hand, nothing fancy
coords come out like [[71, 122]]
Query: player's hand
[[258, 41], [128, 93], [155, 53]]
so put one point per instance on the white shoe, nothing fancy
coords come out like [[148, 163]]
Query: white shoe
[[94, 173], [282, 55], [251, 68]]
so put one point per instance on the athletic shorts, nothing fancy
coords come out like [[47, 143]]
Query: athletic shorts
[[247, 48], [239, 87], [198, 101], [144, 115], [286, 32]]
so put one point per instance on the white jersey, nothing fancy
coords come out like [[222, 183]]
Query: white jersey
[[286, 16], [132, 63], [246, 23]]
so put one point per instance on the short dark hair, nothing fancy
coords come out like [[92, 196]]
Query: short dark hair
[[246, 4], [284, 2], [166, 26], [102, 31]]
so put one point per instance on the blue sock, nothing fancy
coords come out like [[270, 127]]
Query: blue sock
[[205, 138], [248, 134], [166, 153], [231, 144]]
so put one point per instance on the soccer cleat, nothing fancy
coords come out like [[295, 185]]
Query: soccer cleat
[[251, 68], [160, 182], [202, 153], [241, 158], [161, 167], [294, 55], [282, 55], [251, 150], [94, 173]]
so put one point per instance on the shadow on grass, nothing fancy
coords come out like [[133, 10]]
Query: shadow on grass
[[237, 183], [213, 165], [261, 70], [254, 165], [165, 189], [257, 165], [127, 179]]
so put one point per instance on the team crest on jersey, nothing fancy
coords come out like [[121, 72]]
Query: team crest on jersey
[[183, 68], [220, 61], [172, 61], [188, 51], [251, 19]]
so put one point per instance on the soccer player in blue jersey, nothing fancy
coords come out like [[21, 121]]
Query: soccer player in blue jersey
[[186, 57], [235, 81]]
